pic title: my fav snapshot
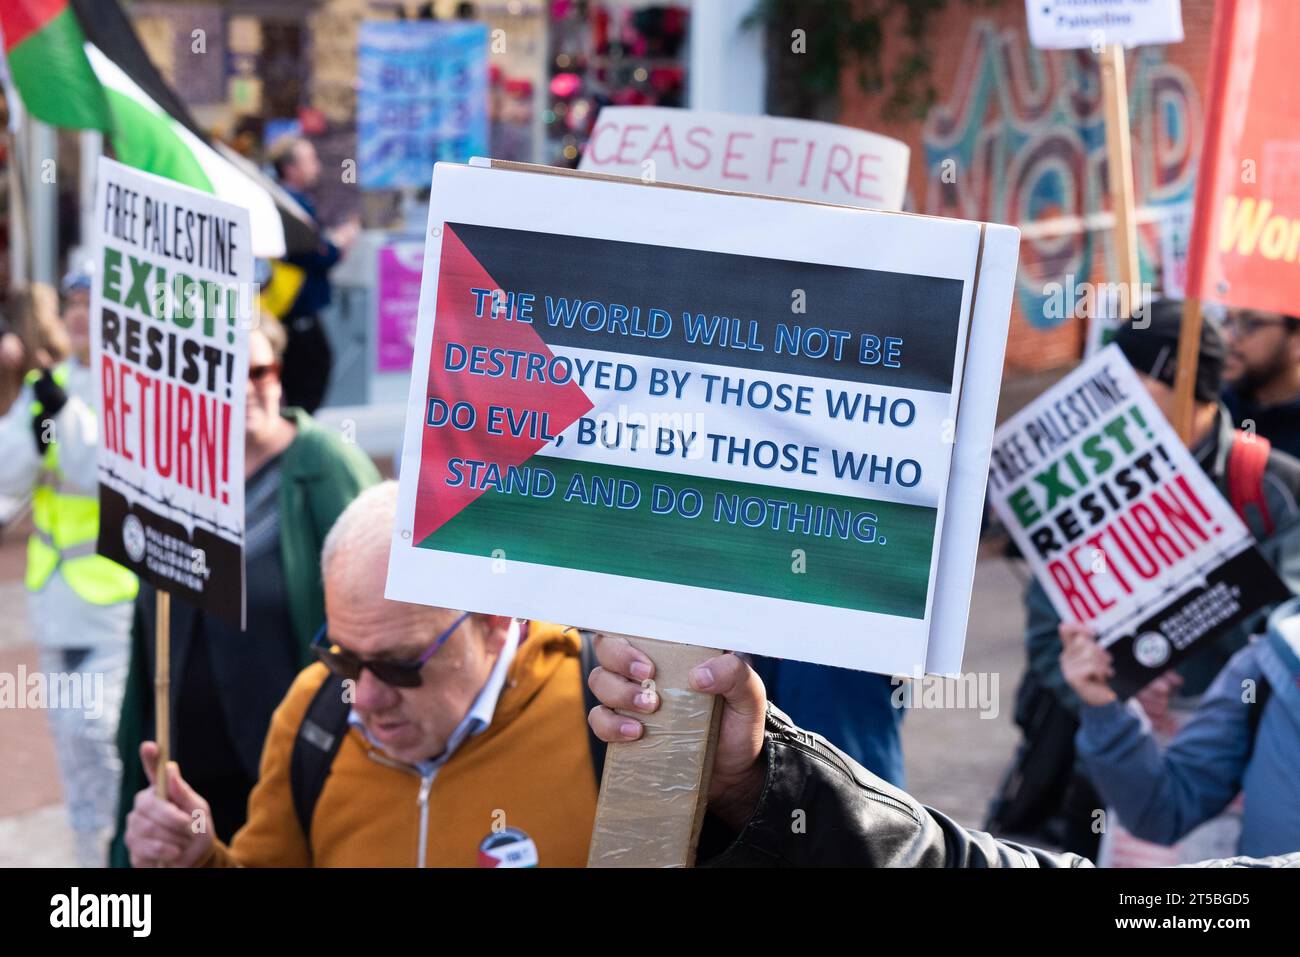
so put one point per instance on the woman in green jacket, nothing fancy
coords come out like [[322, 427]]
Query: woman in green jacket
[[226, 683]]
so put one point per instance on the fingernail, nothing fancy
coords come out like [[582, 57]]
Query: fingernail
[[629, 729], [646, 701], [702, 678], [640, 669]]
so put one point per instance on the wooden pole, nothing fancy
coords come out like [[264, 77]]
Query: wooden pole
[[162, 688], [1119, 154], [1189, 351], [654, 791]]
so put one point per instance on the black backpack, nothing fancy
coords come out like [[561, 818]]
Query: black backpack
[[325, 725]]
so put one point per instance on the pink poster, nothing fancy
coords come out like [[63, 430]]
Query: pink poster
[[399, 300]]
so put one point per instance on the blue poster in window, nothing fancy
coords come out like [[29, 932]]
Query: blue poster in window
[[423, 98]]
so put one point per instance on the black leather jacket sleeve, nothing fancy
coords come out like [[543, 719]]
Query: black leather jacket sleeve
[[820, 808]]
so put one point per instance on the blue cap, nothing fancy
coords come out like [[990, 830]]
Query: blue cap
[[75, 280]]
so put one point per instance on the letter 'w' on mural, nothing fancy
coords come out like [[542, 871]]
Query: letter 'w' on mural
[[610, 389], [1122, 527]]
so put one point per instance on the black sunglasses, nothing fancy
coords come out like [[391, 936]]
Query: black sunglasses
[[399, 674]]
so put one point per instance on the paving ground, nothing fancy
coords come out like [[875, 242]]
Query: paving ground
[[33, 827], [955, 758]]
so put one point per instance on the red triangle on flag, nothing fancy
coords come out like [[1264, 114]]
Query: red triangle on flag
[[455, 322]]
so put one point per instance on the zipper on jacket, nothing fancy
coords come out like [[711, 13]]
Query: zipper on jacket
[[423, 800]]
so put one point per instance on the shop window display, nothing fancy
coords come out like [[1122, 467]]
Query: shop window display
[[609, 54]]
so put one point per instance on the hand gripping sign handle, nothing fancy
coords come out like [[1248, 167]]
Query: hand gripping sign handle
[[654, 790]]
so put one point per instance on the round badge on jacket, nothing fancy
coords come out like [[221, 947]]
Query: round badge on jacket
[[509, 847]]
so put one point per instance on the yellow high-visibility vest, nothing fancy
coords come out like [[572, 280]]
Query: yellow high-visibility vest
[[66, 529]]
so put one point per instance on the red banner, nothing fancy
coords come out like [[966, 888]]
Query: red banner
[[1246, 236]]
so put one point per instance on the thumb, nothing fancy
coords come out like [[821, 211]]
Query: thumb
[[736, 681], [149, 758]]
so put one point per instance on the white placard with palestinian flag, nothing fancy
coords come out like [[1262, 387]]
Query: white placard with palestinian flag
[[1123, 529], [170, 313], [701, 417], [771, 155]]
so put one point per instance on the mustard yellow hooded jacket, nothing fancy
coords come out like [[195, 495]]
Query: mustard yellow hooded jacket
[[530, 770]]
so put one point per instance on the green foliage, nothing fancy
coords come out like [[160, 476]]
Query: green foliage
[[852, 34]]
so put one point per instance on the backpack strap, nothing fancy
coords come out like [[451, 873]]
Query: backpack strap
[[1247, 465], [589, 701], [322, 731]]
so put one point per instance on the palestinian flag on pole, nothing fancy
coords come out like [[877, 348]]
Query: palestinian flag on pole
[[78, 64]]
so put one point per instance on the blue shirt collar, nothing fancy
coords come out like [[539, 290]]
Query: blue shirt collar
[[477, 718]]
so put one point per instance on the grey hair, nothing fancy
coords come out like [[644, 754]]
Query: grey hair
[[368, 519]]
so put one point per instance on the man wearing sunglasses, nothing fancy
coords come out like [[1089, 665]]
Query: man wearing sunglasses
[[1262, 369], [461, 738]]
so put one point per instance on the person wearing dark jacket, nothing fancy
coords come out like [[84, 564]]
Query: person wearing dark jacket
[[765, 769], [226, 683], [1262, 371], [308, 359], [1152, 351]]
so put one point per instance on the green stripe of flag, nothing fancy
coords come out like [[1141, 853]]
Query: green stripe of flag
[[150, 140], [54, 78], [889, 576]]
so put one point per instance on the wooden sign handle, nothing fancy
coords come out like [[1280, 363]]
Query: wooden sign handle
[[162, 688], [1119, 160], [1189, 352], [654, 790]]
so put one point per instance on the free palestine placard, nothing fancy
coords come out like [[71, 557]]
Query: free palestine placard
[[170, 309], [1124, 530]]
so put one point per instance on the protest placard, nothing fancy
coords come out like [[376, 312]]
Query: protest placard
[[422, 98], [710, 418], [170, 310], [772, 155], [1123, 529], [1245, 240], [1080, 24]]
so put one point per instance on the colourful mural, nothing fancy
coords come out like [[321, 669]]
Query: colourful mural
[[1022, 140]]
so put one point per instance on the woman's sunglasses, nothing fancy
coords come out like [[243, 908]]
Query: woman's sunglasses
[[399, 674], [258, 373]]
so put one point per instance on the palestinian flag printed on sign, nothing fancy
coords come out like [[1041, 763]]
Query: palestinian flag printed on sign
[[572, 462], [78, 64]]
